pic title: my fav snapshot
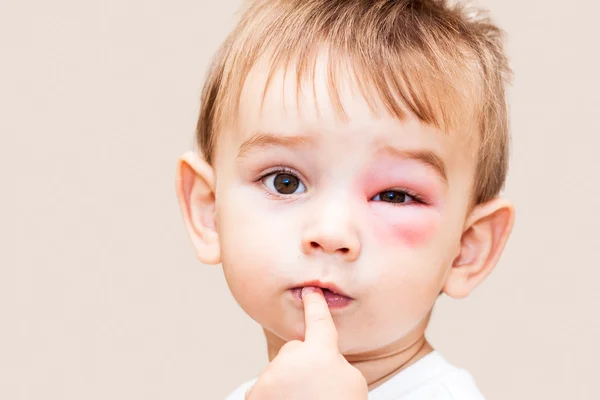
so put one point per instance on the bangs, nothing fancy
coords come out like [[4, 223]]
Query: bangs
[[444, 65], [408, 74]]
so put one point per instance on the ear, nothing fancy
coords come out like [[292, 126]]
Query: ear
[[195, 185], [486, 232]]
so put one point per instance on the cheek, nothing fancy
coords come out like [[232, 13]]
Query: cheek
[[259, 255], [412, 226], [255, 261], [249, 267], [242, 237]]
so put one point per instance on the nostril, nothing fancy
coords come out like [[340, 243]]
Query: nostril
[[316, 245]]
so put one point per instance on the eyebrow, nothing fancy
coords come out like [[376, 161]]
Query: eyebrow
[[266, 140], [427, 157], [263, 140]]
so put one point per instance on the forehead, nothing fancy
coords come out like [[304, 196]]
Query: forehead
[[277, 101], [279, 98]]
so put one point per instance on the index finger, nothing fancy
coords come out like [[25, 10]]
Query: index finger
[[317, 318]]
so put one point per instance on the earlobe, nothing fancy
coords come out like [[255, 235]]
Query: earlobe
[[485, 235], [195, 185]]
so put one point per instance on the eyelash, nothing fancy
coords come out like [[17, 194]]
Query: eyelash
[[274, 171], [279, 170], [418, 200]]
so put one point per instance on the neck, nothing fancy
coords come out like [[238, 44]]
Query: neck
[[379, 365]]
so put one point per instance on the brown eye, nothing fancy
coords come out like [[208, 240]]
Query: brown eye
[[393, 196], [284, 183]]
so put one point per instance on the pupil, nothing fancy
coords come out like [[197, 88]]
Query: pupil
[[393, 197], [286, 184]]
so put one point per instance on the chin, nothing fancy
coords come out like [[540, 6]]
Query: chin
[[294, 330], [286, 327]]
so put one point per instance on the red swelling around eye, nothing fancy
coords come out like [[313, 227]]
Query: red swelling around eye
[[426, 185], [413, 227]]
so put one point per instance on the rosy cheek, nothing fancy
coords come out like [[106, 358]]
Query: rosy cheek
[[412, 226]]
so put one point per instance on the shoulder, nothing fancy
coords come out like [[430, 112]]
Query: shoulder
[[240, 392], [431, 378], [455, 385]]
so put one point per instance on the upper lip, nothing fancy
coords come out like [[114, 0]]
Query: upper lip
[[323, 285]]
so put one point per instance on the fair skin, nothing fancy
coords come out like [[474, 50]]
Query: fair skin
[[287, 373], [379, 209]]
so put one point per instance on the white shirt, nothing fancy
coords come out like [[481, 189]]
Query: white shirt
[[430, 378]]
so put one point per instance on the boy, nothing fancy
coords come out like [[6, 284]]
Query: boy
[[351, 156]]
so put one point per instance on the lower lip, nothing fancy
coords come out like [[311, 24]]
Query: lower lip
[[333, 300]]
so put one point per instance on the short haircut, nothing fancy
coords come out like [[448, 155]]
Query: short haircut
[[443, 63]]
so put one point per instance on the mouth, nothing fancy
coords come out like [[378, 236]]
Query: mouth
[[334, 297]]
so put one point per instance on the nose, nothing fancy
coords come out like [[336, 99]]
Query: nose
[[332, 229]]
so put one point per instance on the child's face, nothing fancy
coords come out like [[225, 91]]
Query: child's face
[[374, 206]]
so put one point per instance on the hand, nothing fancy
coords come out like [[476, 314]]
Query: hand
[[313, 369]]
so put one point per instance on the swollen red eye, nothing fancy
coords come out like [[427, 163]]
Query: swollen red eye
[[393, 196]]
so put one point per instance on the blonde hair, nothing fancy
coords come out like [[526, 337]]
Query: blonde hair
[[442, 63]]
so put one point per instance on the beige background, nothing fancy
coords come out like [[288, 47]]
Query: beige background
[[101, 296]]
